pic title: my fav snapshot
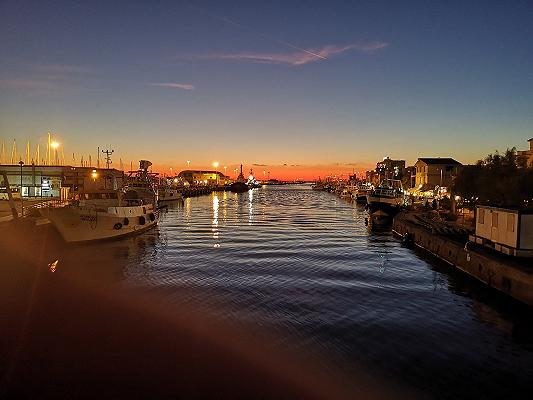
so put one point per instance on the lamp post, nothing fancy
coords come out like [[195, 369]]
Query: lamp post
[[188, 163], [21, 163], [54, 146]]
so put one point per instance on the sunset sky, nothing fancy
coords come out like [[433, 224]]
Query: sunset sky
[[299, 88]]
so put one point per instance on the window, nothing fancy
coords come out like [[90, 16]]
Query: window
[[510, 222], [481, 216], [494, 219]]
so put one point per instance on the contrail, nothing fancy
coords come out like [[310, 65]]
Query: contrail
[[241, 26]]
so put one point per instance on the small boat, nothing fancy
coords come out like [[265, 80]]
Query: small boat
[[386, 199], [361, 191], [169, 191], [165, 194], [252, 182], [240, 185]]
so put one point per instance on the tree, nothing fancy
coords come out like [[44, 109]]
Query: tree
[[499, 180]]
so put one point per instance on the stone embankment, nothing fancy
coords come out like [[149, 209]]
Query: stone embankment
[[450, 243]]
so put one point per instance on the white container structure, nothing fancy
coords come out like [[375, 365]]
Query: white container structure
[[507, 230]]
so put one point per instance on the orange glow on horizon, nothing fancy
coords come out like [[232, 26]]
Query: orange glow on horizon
[[282, 172]]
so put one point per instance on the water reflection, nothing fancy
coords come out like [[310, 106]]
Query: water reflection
[[214, 228], [313, 272]]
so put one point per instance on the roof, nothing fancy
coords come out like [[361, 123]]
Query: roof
[[529, 140], [511, 208], [439, 160]]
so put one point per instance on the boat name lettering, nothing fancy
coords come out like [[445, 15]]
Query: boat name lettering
[[85, 217]]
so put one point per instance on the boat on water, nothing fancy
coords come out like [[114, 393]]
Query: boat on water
[[361, 191], [240, 185], [386, 200], [252, 182], [168, 193], [169, 190], [104, 213]]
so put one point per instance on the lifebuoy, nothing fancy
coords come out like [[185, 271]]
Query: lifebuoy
[[142, 220], [117, 226], [126, 221], [151, 216]]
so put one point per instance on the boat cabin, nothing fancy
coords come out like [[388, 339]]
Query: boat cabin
[[507, 230]]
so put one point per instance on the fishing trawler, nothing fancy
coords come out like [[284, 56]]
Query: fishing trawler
[[104, 213], [361, 191], [240, 185], [386, 199]]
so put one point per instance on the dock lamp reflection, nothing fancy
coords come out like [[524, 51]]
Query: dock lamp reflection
[[21, 163]]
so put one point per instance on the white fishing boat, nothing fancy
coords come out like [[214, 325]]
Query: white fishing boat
[[99, 214], [386, 199]]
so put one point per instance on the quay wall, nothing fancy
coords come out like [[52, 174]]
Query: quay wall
[[515, 281]]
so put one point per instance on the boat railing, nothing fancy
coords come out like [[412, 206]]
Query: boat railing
[[133, 202], [385, 192]]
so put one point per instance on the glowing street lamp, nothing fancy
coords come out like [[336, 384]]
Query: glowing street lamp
[[216, 164], [94, 174], [188, 163], [54, 145]]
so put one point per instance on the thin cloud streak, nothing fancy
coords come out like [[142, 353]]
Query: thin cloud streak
[[26, 84], [184, 86], [300, 57]]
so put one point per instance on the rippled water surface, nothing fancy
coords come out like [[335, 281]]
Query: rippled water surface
[[303, 264]]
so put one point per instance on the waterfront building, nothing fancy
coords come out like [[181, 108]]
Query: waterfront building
[[527, 155], [390, 169], [433, 172], [507, 230], [199, 177], [36, 181], [409, 178], [386, 169]]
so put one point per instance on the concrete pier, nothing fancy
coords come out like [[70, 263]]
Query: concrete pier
[[508, 275]]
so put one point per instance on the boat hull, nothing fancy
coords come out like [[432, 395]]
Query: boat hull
[[82, 224], [383, 205], [239, 187]]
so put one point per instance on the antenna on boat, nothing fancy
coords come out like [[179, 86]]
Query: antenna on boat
[[108, 153]]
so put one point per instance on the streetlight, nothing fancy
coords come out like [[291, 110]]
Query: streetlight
[[225, 169], [171, 172], [54, 145], [94, 175], [188, 163], [21, 163]]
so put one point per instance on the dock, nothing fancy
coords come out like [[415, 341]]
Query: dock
[[509, 275]]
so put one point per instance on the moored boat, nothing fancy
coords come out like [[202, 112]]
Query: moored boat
[[240, 185], [361, 191], [386, 199], [100, 214]]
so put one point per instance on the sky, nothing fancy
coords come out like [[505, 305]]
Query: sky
[[298, 88]]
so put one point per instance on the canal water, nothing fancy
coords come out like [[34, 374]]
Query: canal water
[[304, 266]]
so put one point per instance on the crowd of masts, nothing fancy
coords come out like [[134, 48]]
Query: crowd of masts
[[54, 155]]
